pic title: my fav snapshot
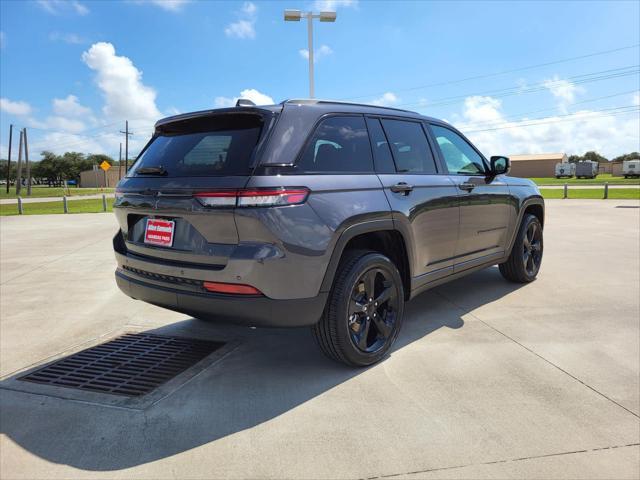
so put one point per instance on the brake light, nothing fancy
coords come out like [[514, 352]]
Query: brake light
[[256, 197], [232, 288]]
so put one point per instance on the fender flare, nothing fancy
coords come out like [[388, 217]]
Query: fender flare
[[350, 232], [537, 200]]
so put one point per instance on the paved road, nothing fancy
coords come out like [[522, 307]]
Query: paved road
[[13, 201], [488, 380]]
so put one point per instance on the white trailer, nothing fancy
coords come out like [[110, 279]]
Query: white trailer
[[631, 168], [567, 170]]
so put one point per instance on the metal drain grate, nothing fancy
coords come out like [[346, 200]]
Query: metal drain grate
[[131, 365]]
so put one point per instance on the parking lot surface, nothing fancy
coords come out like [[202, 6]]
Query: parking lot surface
[[487, 380]]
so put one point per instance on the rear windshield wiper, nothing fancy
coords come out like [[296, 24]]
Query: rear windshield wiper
[[151, 171]]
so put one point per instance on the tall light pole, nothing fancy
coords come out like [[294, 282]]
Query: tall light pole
[[296, 16]]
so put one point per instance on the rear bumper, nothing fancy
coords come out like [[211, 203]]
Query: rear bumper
[[246, 310]]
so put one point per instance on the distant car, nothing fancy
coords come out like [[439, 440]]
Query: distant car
[[565, 170], [631, 168], [317, 213], [586, 169]]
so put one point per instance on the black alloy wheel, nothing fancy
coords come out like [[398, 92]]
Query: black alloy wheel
[[364, 310], [372, 311], [532, 249], [525, 259]]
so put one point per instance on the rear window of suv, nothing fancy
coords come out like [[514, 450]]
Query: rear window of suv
[[208, 146]]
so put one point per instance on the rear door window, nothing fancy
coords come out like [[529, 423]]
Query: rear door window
[[409, 146], [340, 144], [380, 146], [219, 147]]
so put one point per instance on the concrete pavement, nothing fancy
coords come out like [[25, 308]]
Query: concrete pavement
[[488, 379]]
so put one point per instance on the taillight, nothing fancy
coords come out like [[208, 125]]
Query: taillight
[[231, 288], [256, 197]]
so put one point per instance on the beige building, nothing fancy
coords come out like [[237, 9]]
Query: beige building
[[97, 178], [536, 165]]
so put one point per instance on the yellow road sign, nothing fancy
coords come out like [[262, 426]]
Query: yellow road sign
[[105, 165]]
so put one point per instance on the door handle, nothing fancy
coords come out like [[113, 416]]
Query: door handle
[[402, 187], [468, 186]]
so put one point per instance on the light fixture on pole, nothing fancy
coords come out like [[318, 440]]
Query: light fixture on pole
[[296, 16]]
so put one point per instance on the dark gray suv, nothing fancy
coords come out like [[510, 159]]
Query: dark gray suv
[[317, 213]]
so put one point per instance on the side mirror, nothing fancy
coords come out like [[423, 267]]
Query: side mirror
[[500, 165]]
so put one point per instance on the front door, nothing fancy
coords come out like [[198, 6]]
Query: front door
[[484, 201], [422, 198]]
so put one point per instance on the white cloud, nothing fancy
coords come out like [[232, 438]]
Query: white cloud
[[636, 100], [587, 130], [125, 96], [332, 5], [70, 38], [168, 5], [70, 107], [245, 26], [563, 90], [57, 7], [241, 29], [252, 94], [323, 51], [14, 108], [249, 8], [387, 99]]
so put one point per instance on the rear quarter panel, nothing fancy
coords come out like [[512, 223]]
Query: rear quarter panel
[[306, 235]]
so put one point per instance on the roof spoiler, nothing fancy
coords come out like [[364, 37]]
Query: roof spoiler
[[245, 102]]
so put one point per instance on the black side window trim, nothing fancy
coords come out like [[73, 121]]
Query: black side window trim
[[473, 147], [436, 161], [311, 135]]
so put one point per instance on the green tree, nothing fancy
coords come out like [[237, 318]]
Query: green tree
[[594, 157], [627, 156]]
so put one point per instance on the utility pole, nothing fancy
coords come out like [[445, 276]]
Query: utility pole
[[26, 160], [120, 163], [19, 172], [9, 159], [126, 146]]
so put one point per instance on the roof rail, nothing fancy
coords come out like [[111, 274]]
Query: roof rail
[[312, 101]]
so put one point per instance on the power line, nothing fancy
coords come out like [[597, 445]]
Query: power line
[[576, 116], [515, 115], [510, 91], [504, 72]]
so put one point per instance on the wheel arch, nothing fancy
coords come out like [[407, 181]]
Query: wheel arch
[[377, 235], [532, 205]]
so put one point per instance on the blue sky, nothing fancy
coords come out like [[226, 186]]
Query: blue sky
[[73, 71]]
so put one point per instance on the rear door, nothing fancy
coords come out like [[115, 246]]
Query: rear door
[[485, 201], [422, 198], [162, 206]]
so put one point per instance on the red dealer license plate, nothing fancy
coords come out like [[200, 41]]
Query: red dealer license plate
[[159, 232]]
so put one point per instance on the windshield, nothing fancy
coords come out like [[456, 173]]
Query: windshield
[[210, 147]]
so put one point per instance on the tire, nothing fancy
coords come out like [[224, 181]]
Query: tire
[[354, 330], [525, 259]]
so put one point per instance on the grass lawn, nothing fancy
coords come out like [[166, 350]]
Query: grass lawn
[[40, 191], [599, 180], [42, 208], [597, 193]]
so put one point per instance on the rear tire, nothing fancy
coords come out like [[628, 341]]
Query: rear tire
[[525, 259], [364, 310]]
